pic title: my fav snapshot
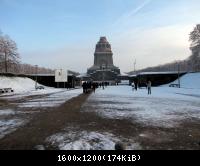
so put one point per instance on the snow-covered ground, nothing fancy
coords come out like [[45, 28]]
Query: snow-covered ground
[[24, 88], [8, 126], [8, 123], [74, 139], [166, 107], [52, 100], [190, 80], [6, 112], [18, 84]]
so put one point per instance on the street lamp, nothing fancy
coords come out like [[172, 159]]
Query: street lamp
[[134, 66], [36, 68], [177, 65], [103, 74], [179, 75]]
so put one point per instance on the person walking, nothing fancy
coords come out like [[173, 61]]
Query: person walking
[[83, 85], [94, 87], [136, 85], [103, 85], [133, 86], [149, 87]]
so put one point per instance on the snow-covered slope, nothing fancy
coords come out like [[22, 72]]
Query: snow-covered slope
[[190, 80], [18, 84]]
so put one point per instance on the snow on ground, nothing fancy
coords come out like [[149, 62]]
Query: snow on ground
[[18, 84], [52, 100], [190, 80], [25, 87], [6, 112], [20, 95], [73, 139], [8, 124], [166, 107]]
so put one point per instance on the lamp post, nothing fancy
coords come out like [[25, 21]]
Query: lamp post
[[134, 66], [137, 78], [179, 84], [103, 77], [36, 68]]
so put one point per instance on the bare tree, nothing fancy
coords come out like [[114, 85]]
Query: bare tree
[[1, 54], [195, 36], [195, 48], [8, 51], [30, 69]]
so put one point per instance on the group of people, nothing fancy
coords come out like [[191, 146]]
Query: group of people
[[87, 86], [148, 85]]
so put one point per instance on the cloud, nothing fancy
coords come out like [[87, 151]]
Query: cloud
[[152, 46], [131, 13]]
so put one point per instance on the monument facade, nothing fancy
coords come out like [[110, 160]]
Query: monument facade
[[103, 68]]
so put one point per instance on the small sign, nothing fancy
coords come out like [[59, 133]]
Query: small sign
[[61, 75]]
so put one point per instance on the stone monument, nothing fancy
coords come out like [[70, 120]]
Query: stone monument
[[103, 68]]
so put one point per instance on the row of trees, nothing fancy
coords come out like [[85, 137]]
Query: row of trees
[[184, 66], [195, 48], [19, 68], [191, 64], [10, 59]]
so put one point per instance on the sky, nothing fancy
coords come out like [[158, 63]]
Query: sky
[[63, 33]]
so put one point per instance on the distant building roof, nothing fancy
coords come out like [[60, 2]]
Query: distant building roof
[[40, 74], [133, 75], [155, 73], [83, 75], [123, 74], [152, 73]]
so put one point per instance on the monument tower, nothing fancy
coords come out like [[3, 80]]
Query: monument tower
[[103, 68]]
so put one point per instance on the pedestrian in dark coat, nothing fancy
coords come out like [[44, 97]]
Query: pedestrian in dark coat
[[149, 87], [84, 85], [94, 87], [136, 85]]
